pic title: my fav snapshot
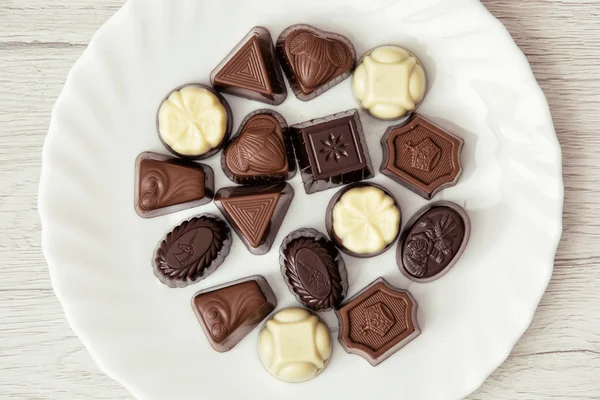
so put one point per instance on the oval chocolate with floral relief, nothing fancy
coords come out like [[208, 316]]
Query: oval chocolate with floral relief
[[433, 241], [313, 269]]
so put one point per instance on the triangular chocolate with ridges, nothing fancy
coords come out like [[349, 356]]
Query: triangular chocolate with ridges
[[251, 70], [255, 212], [166, 184], [246, 69], [252, 214]]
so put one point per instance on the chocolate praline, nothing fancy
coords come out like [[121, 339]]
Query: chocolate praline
[[166, 184], [255, 212], [191, 251], [433, 241], [261, 151], [227, 313], [329, 219], [313, 269], [313, 60], [214, 150]]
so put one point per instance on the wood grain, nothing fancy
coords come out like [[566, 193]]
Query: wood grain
[[40, 357]]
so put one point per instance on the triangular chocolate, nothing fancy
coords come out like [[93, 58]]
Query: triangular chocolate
[[251, 70], [165, 184], [255, 212]]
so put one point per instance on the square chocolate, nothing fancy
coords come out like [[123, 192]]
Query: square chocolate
[[332, 151]]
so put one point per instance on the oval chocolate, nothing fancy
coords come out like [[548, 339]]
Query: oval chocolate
[[312, 273], [433, 241], [192, 251], [313, 269]]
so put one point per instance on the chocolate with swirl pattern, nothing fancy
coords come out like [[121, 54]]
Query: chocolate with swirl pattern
[[192, 251], [313, 269], [227, 313], [166, 184]]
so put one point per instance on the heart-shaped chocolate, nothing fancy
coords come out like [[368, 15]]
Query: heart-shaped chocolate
[[259, 152], [313, 60]]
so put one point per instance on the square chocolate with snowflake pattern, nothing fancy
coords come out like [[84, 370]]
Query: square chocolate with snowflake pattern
[[332, 151]]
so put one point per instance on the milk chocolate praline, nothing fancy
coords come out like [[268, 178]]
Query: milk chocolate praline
[[227, 130], [261, 151], [330, 226], [227, 313], [313, 60], [433, 241], [166, 184]]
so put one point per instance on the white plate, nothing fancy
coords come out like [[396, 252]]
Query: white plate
[[145, 335]]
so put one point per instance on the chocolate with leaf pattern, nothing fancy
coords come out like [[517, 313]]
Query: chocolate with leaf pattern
[[261, 151], [313, 269], [433, 241], [313, 60]]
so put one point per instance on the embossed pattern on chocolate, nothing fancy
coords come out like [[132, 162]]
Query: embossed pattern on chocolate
[[313, 269], [251, 70], [261, 151], [229, 312], [377, 322], [421, 156], [192, 251], [331, 151], [433, 241], [255, 212], [165, 184], [313, 60]]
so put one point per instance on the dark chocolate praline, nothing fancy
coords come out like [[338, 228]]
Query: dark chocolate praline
[[433, 241], [313, 269]]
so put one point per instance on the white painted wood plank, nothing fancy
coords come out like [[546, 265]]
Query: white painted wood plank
[[40, 357]]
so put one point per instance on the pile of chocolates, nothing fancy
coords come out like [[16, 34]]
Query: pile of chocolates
[[363, 219]]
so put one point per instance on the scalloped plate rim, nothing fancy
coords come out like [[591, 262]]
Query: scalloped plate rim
[[46, 219]]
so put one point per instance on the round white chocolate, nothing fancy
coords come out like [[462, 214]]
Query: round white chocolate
[[389, 82], [192, 121], [294, 345], [366, 220]]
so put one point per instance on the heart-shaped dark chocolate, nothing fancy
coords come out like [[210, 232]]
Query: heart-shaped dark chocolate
[[313, 60], [259, 151]]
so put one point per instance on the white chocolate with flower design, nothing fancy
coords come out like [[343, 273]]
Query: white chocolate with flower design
[[389, 82], [366, 220], [294, 345], [192, 121]]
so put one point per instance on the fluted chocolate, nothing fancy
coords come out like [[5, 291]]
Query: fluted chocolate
[[192, 251], [261, 151], [313, 269], [166, 184]]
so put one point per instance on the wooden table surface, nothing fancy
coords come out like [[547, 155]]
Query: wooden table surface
[[41, 358]]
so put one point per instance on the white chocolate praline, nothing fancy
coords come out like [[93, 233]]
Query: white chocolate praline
[[389, 82], [192, 121], [294, 345], [366, 220]]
